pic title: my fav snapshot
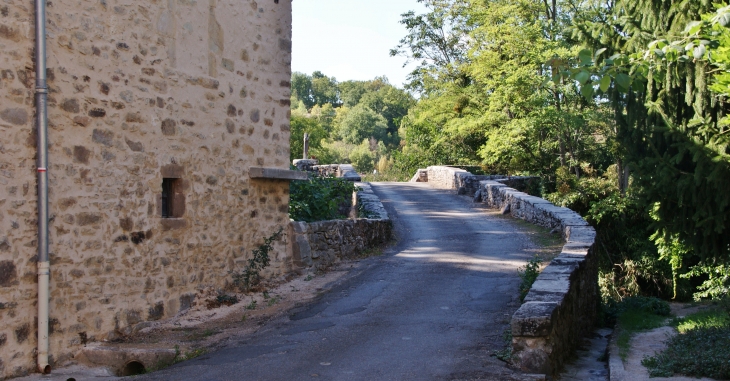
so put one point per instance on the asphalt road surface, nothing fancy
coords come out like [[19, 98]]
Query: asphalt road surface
[[434, 307]]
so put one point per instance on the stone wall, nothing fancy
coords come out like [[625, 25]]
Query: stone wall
[[562, 306], [194, 91], [344, 171], [445, 177], [320, 244]]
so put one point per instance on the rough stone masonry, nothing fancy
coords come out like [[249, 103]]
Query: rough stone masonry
[[189, 93]]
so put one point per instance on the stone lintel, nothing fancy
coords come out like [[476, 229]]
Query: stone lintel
[[276, 174], [172, 171], [534, 319]]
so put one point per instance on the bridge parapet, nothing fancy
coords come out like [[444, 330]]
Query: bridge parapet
[[562, 306], [464, 182], [343, 171]]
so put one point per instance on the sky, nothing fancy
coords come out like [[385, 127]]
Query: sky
[[350, 39]]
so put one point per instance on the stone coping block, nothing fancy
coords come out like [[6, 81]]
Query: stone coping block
[[580, 234], [370, 202], [305, 164], [533, 319], [276, 174]]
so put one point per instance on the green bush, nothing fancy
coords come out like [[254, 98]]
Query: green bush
[[642, 304], [319, 198], [631, 260]]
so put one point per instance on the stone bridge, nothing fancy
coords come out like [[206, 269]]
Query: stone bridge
[[435, 306], [562, 306]]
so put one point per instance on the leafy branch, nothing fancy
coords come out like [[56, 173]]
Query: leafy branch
[[251, 275]]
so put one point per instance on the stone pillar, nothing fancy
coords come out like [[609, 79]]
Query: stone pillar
[[306, 146]]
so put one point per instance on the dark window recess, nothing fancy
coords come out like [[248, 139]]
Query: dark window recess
[[172, 200]]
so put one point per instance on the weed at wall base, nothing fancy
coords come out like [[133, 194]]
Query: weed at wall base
[[250, 276], [529, 274]]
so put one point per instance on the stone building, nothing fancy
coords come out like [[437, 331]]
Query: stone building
[[158, 110]]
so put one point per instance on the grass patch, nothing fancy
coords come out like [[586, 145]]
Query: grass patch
[[633, 321], [270, 301], [701, 349], [701, 320], [193, 354], [273, 301], [635, 314]]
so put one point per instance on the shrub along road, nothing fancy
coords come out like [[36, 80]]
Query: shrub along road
[[433, 307]]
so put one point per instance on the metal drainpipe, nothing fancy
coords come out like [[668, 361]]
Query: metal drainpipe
[[41, 99]]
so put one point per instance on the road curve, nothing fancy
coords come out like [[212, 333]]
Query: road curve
[[433, 307]]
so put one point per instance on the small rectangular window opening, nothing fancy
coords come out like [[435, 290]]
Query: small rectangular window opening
[[169, 195]]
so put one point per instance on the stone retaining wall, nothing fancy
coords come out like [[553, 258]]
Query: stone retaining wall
[[320, 244], [562, 306]]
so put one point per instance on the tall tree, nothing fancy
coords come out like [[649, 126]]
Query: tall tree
[[325, 90], [301, 90], [436, 41], [361, 123]]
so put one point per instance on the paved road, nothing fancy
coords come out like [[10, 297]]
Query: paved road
[[432, 308]]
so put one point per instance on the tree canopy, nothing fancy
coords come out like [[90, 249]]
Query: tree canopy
[[619, 106]]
